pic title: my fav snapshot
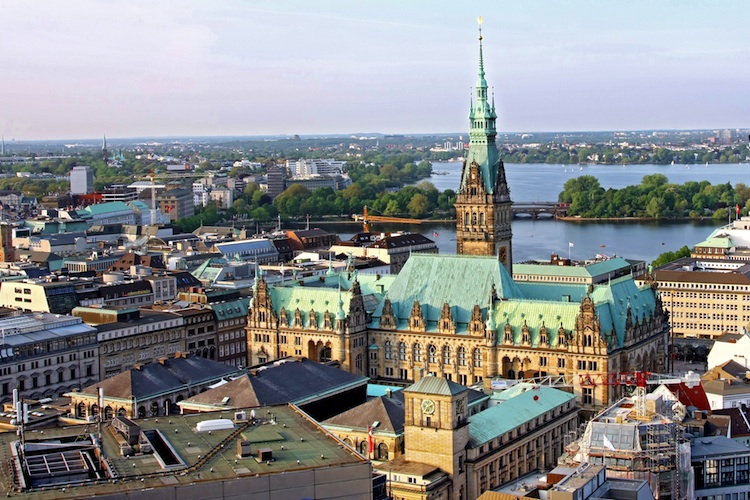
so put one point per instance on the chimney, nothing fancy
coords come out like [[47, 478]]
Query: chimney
[[163, 361], [388, 393]]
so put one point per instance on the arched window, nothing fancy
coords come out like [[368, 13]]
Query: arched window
[[477, 357], [388, 348], [382, 452], [402, 351], [364, 448], [432, 354], [462, 356], [417, 352], [446, 355], [349, 442]]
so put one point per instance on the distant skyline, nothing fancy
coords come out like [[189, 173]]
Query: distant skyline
[[81, 69]]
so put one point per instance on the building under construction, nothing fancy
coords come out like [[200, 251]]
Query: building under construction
[[640, 437]]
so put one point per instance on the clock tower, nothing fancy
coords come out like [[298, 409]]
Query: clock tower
[[436, 427], [483, 205]]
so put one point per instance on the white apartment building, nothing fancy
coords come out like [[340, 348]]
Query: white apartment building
[[304, 167]]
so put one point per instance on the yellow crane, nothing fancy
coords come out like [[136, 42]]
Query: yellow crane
[[366, 218]]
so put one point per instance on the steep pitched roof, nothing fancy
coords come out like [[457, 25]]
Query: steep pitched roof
[[389, 412], [297, 382], [734, 369], [690, 396], [739, 419], [437, 386], [460, 281], [157, 378]]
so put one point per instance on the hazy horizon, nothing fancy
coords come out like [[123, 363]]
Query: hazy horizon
[[85, 68]]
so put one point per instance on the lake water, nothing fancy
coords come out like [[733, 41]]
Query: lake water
[[538, 239]]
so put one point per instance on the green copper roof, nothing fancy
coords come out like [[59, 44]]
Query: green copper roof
[[535, 314], [306, 299], [231, 309], [597, 269], [552, 304], [438, 386], [482, 133], [717, 242], [461, 281], [503, 418], [612, 305], [108, 208]]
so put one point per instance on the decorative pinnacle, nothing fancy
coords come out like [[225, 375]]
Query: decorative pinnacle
[[480, 20]]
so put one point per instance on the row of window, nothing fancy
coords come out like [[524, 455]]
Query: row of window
[[432, 354], [232, 349], [140, 341], [34, 381]]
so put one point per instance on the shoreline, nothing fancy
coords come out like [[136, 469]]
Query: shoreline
[[631, 219]]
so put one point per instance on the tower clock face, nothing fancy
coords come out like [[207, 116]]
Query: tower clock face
[[428, 407]]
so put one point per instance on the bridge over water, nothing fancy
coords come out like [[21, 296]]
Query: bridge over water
[[539, 209]]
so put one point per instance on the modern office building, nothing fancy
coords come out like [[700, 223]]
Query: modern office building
[[705, 298], [81, 180], [176, 203]]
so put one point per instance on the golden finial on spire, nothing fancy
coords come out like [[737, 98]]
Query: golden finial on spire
[[480, 21]]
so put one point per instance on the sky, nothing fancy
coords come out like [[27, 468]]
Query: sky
[[84, 68]]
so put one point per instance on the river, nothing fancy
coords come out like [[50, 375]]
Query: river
[[538, 239]]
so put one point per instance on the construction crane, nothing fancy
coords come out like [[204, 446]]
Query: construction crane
[[366, 218]]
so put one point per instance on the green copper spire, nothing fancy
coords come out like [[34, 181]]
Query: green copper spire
[[340, 314], [482, 133]]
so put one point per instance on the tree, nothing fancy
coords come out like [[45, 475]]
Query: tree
[[418, 205], [655, 208], [668, 257]]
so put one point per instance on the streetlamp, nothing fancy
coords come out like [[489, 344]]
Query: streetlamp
[[371, 447]]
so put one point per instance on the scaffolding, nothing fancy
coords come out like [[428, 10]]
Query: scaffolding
[[638, 438]]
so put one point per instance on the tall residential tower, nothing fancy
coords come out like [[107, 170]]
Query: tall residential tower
[[483, 205]]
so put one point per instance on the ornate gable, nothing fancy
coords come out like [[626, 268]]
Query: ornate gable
[[476, 325], [312, 320], [446, 323], [416, 319], [588, 337], [357, 315], [261, 313], [387, 318]]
